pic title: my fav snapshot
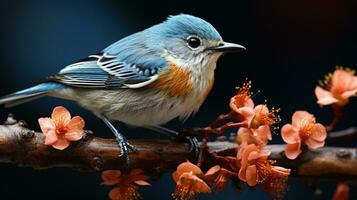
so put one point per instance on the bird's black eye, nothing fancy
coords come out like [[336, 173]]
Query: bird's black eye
[[193, 42]]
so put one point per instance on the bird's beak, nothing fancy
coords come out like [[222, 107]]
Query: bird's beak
[[228, 47]]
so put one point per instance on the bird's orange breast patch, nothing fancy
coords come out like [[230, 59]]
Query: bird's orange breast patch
[[173, 82]]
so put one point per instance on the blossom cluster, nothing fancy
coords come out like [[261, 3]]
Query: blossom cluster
[[256, 124], [251, 164]]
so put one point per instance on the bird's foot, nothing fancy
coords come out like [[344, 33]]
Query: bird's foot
[[194, 146], [125, 149], [132, 148], [124, 145]]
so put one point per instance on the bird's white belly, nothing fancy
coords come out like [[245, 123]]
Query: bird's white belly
[[139, 107], [163, 112]]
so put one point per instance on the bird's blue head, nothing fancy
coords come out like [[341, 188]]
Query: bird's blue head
[[182, 26], [189, 39], [182, 39]]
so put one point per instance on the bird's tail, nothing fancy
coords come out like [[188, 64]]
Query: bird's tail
[[29, 94]]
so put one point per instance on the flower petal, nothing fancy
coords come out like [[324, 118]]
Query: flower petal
[[281, 170], [245, 136], [340, 79], [314, 144], [242, 173], [136, 172], [300, 116], [115, 194], [213, 170], [199, 186], [175, 176], [60, 144], [253, 155], [246, 112], [188, 167], [244, 131], [137, 175], [240, 101], [74, 134], [353, 84], [246, 152], [342, 192], [262, 109], [324, 97], [76, 122], [110, 177], [61, 116], [319, 132], [251, 175], [196, 184], [142, 183], [46, 125], [51, 137], [265, 153], [249, 103], [348, 94], [263, 133], [290, 134], [292, 151]]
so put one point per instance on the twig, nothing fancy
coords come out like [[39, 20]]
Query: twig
[[349, 134], [337, 117]]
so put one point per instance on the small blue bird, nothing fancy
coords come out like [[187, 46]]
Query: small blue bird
[[145, 79]]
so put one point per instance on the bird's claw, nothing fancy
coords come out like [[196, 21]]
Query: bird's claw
[[132, 148], [180, 137], [194, 146], [124, 145], [125, 148]]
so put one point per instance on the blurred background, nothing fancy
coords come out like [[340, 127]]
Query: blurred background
[[290, 46]]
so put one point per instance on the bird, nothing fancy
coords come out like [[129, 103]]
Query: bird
[[144, 80]]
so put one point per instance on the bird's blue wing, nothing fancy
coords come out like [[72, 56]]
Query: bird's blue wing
[[108, 71]]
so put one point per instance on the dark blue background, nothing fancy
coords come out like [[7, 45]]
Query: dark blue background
[[290, 46]]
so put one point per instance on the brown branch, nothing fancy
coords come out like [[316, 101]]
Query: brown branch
[[349, 134], [23, 147], [337, 111]]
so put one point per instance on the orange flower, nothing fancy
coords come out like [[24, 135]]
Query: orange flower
[[303, 129], [337, 87], [259, 136], [242, 103], [246, 136], [256, 168], [127, 184], [276, 182], [242, 97], [342, 192], [189, 182], [60, 129], [264, 116], [253, 165], [218, 177]]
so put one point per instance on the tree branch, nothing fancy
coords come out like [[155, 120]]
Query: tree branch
[[349, 134], [24, 147]]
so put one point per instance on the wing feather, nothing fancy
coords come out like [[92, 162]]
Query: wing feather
[[107, 71]]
